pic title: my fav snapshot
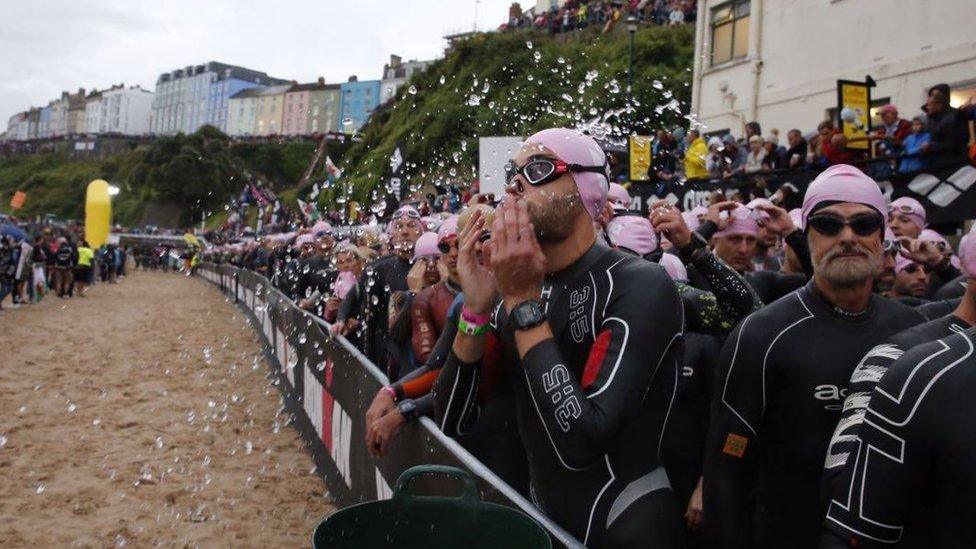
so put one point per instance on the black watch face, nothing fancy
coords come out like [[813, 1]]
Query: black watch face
[[527, 315]]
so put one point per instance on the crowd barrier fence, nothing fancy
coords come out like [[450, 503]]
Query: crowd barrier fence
[[327, 385]]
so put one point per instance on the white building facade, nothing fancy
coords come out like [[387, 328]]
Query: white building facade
[[778, 61]]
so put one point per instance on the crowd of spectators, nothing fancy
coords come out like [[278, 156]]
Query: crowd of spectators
[[38, 259], [604, 14], [937, 134]]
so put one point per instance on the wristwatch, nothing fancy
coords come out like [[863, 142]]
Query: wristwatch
[[527, 314], [408, 408]]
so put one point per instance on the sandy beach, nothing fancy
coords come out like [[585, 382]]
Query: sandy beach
[[142, 415]]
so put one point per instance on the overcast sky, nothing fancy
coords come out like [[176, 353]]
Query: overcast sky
[[47, 46]]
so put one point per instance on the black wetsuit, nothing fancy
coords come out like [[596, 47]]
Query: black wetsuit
[[684, 443], [369, 305], [866, 376], [592, 402], [911, 482], [952, 289], [938, 309], [778, 396]]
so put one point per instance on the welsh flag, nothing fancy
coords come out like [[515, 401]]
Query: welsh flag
[[331, 169]]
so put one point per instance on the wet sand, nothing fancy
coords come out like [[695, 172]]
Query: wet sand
[[142, 415]]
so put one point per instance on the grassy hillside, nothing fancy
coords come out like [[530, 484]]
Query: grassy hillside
[[518, 83], [197, 174]]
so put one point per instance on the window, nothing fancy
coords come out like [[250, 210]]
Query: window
[[730, 31]]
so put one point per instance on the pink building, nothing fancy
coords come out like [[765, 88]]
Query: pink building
[[301, 103]]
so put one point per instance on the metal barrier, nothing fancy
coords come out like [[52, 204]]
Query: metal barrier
[[327, 385]]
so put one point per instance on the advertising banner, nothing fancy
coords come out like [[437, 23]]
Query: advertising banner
[[854, 110]]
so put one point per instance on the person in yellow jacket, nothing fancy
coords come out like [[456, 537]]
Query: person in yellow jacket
[[695, 156], [83, 271]]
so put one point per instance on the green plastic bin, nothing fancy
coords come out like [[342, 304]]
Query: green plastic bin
[[409, 520]]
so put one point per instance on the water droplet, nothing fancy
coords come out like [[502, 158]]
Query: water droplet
[[3, 440], [443, 79], [528, 44], [40, 489], [413, 90], [537, 55]]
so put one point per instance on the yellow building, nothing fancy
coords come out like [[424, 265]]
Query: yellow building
[[269, 116]]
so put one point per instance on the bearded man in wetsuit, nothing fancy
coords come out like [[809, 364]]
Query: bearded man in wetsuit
[[589, 338], [785, 370]]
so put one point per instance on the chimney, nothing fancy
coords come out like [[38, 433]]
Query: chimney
[[354, 78], [395, 61], [321, 81]]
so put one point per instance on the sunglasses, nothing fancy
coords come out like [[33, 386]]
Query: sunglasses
[[914, 268], [542, 171], [862, 225]]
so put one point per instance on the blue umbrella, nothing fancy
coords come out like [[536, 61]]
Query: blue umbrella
[[6, 229]]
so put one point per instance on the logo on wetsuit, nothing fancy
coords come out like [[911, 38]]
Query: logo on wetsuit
[[556, 384], [830, 393], [577, 314]]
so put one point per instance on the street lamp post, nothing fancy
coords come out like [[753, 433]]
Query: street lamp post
[[632, 29]]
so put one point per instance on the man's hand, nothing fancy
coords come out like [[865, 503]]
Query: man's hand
[[332, 305], [382, 404], [695, 514], [667, 220], [925, 252], [715, 211], [779, 220], [477, 281], [380, 434], [516, 257], [415, 278], [341, 329]]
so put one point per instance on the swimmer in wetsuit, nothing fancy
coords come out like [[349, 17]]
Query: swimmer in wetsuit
[[910, 480], [785, 369], [589, 338]]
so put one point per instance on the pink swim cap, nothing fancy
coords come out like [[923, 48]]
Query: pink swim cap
[[901, 263], [741, 222], [797, 216], [618, 197], [448, 228], [573, 147], [343, 283], [967, 254], [675, 269], [632, 232], [843, 183], [932, 236], [909, 207], [426, 246], [303, 239], [320, 228]]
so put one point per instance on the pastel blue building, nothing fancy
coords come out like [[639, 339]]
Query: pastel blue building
[[357, 101], [188, 98]]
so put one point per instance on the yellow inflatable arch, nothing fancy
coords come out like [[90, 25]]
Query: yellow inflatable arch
[[98, 213]]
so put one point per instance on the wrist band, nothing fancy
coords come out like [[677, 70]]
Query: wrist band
[[474, 318], [391, 391], [471, 328]]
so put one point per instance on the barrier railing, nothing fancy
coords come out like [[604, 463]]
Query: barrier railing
[[327, 385]]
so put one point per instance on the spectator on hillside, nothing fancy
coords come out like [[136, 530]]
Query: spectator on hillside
[[914, 142], [695, 157], [756, 155], [948, 132], [796, 155], [677, 15]]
